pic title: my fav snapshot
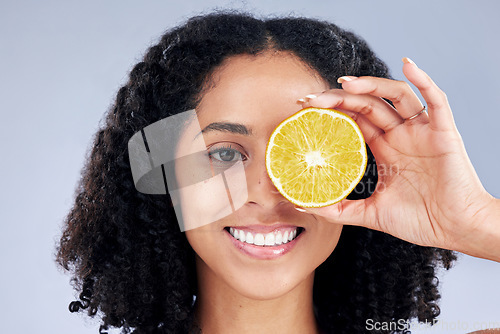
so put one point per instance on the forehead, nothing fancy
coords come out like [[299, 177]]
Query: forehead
[[260, 88]]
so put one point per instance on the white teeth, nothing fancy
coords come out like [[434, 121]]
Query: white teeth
[[249, 238], [279, 238], [260, 239], [269, 239]]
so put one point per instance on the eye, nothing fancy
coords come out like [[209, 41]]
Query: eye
[[225, 154]]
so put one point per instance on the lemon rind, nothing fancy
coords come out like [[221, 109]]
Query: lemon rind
[[353, 184]]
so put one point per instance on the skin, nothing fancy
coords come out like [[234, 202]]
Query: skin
[[239, 293], [440, 199]]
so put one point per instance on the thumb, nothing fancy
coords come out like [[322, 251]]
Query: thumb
[[348, 212]]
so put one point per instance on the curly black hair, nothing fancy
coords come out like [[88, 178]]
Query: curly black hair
[[128, 258]]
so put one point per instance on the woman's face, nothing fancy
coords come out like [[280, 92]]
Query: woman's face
[[252, 95]]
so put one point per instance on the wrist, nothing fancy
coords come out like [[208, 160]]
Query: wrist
[[483, 240]]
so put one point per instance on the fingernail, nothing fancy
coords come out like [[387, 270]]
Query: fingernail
[[298, 208], [345, 79], [306, 98], [407, 60]]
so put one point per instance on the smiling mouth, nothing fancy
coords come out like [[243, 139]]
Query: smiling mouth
[[274, 238]]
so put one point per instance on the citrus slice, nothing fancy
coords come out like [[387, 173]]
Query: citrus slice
[[316, 157]]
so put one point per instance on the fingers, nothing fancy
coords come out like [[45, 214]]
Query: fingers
[[440, 115], [365, 97], [348, 212], [399, 93], [376, 110], [369, 130]]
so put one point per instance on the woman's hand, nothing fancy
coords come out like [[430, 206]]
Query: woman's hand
[[428, 192]]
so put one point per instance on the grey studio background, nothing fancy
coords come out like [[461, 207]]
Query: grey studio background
[[62, 63]]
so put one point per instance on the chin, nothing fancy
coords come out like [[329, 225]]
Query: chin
[[264, 283]]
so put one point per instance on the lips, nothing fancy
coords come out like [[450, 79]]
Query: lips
[[264, 241], [276, 237]]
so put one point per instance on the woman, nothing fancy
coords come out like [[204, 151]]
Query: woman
[[134, 264]]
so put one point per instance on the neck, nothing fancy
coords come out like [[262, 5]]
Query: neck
[[221, 309]]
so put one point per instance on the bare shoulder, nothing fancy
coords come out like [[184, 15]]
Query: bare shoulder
[[487, 331]]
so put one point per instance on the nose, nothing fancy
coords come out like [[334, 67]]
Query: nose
[[261, 190]]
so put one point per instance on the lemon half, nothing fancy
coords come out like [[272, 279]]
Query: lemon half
[[316, 157]]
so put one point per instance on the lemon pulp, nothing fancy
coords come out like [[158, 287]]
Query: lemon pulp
[[316, 157]]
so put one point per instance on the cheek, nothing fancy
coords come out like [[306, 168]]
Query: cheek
[[203, 240], [210, 197], [203, 203], [326, 238]]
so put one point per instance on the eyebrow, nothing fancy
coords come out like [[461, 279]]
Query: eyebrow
[[226, 127]]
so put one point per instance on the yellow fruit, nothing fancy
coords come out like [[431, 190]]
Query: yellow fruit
[[316, 157]]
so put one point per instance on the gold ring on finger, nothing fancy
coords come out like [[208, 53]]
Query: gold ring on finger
[[424, 110]]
